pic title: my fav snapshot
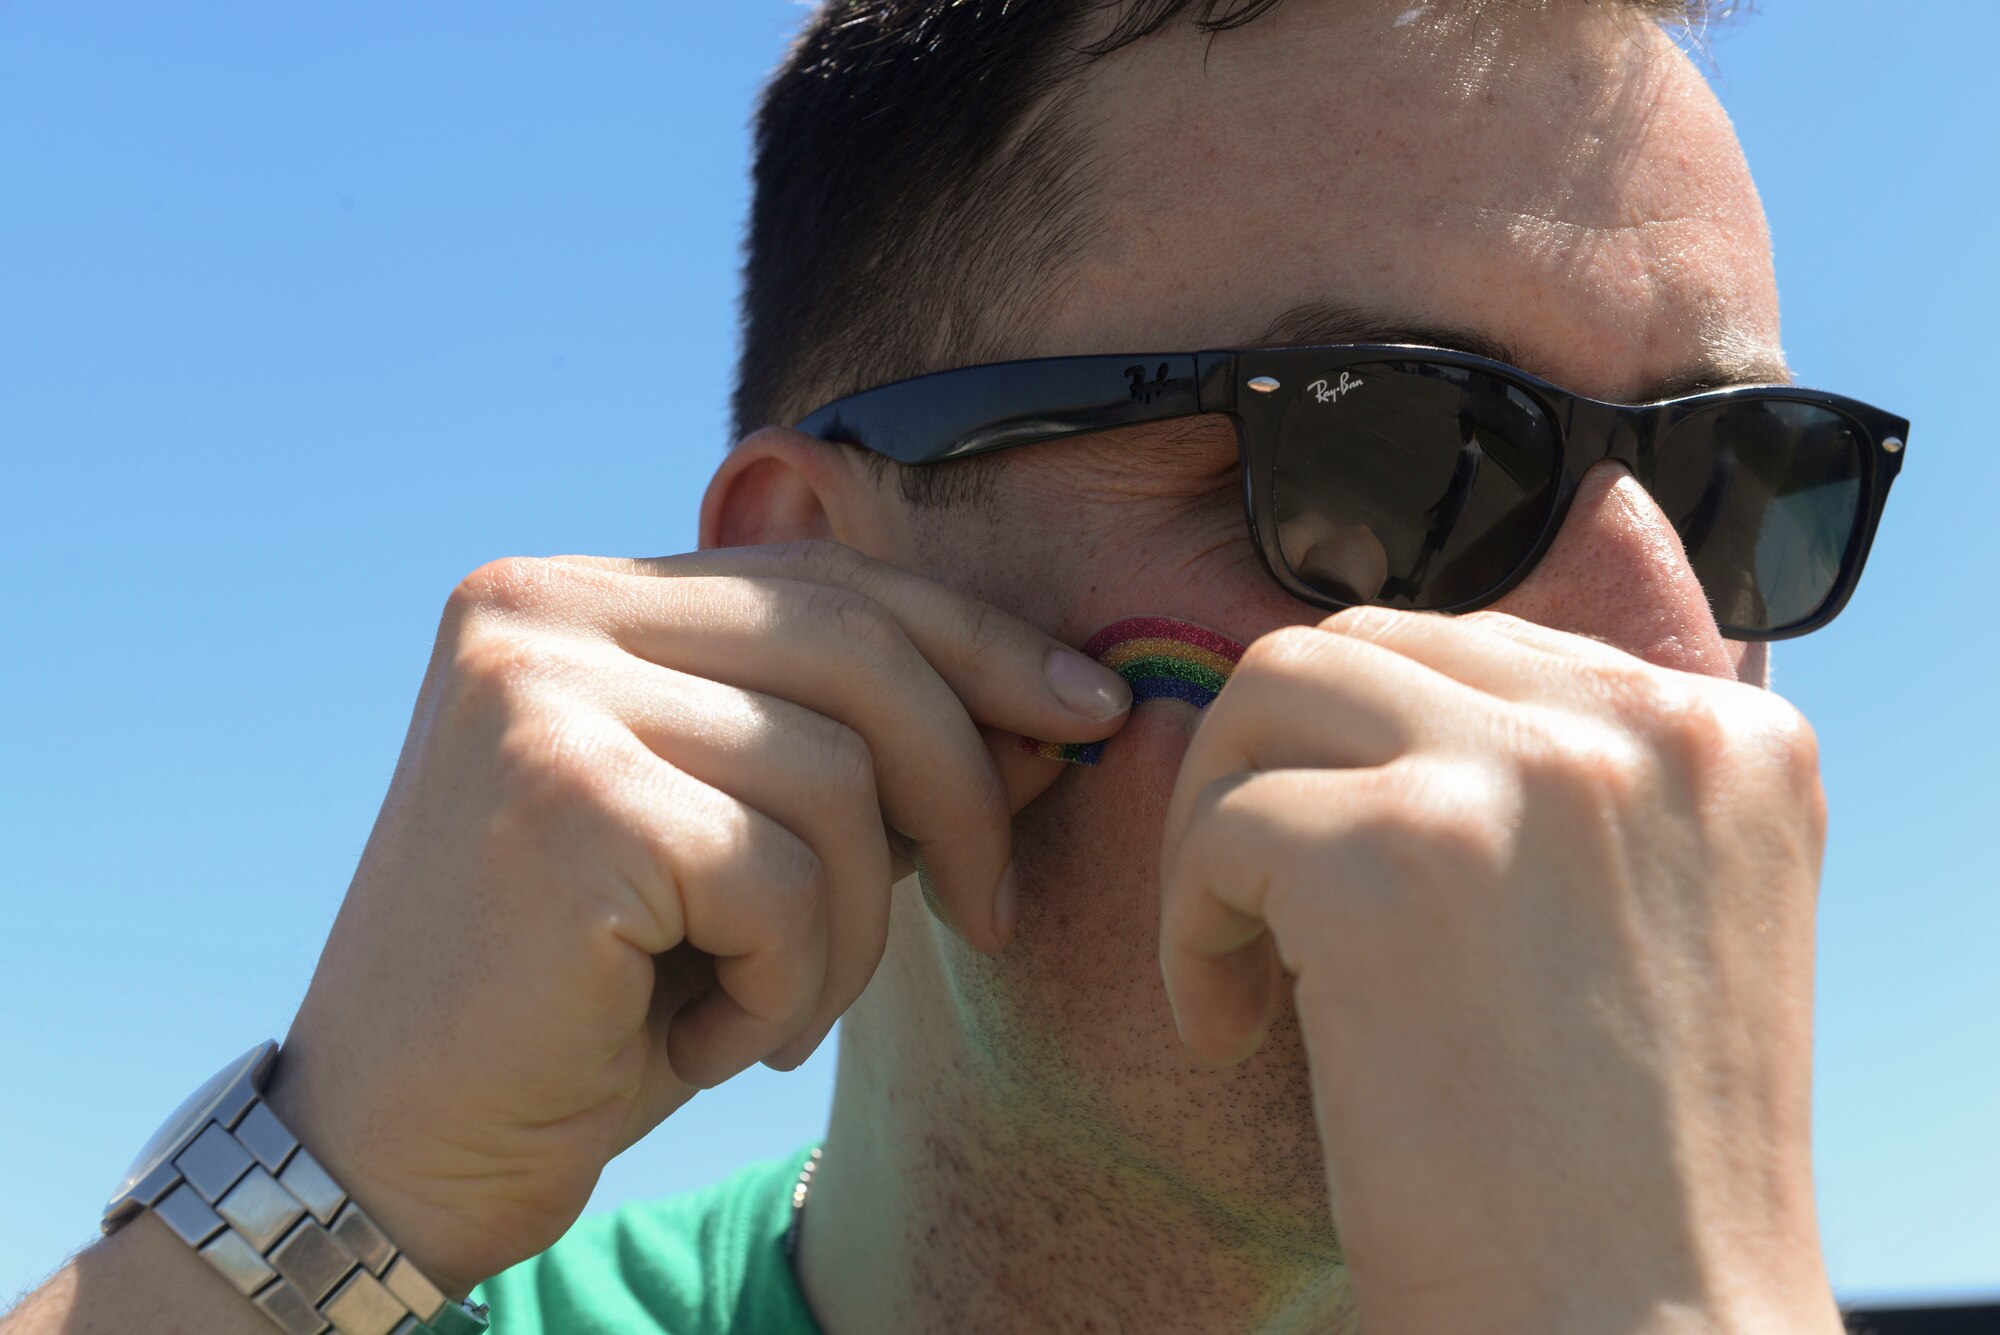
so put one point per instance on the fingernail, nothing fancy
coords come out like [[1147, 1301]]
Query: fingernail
[[1006, 904], [1087, 687]]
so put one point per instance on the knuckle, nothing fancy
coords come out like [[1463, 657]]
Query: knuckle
[[1595, 771], [501, 674], [551, 764], [1814, 799], [988, 794], [1458, 831], [822, 558], [1682, 719], [1788, 733], [983, 629], [501, 658], [1791, 748], [1368, 621], [509, 584], [1694, 734], [1282, 652], [847, 767], [1676, 710], [849, 618], [1431, 861], [1235, 810], [1800, 751], [800, 892], [1495, 619], [1425, 839], [487, 678], [868, 632], [1638, 691], [1234, 828]]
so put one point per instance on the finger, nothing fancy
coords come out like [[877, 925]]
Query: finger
[[1500, 661], [853, 662], [1008, 673], [1025, 775], [1304, 698], [1225, 982], [840, 654], [813, 776], [1230, 920], [851, 658], [715, 873], [1547, 639]]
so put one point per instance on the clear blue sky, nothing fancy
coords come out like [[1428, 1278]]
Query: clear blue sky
[[305, 311]]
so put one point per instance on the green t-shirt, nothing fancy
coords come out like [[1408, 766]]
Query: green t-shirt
[[711, 1262]]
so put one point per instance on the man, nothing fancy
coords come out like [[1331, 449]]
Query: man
[[1448, 973]]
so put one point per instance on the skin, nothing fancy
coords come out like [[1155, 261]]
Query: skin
[[1445, 975]]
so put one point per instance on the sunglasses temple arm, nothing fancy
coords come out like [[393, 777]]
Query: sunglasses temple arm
[[952, 414]]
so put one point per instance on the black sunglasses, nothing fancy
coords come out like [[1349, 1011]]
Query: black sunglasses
[[1433, 480]]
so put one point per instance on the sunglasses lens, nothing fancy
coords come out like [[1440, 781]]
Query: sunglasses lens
[[1766, 496], [1411, 484]]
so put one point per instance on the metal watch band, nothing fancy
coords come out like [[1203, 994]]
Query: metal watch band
[[260, 1209]]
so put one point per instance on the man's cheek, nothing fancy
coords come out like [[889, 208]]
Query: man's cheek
[[1117, 807], [1089, 851]]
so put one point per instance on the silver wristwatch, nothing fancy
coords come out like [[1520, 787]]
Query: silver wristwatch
[[226, 1175]]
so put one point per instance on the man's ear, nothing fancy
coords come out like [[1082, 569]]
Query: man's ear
[[779, 485]]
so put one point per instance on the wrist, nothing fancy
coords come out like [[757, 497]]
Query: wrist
[[435, 1240]]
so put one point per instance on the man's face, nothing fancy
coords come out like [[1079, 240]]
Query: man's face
[[1559, 184]]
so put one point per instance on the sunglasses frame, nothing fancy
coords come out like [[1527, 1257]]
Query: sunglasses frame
[[1000, 405]]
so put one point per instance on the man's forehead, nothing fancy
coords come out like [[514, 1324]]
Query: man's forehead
[[1556, 184]]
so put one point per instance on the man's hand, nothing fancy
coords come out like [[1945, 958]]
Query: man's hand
[[1545, 912], [641, 836]]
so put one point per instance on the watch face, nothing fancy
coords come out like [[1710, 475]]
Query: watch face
[[190, 1115]]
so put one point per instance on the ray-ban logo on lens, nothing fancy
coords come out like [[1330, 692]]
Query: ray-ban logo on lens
[[1325, 392]]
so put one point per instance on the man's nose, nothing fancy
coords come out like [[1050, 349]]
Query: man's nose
[[1617, 572]]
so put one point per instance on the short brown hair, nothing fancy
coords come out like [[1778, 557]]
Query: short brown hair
[[918, 183]]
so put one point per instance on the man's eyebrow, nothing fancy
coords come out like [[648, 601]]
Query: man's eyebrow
[[1330, 322], [1723, 365]]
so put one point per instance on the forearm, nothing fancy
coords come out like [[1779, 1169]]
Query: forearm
[[140, 1279]]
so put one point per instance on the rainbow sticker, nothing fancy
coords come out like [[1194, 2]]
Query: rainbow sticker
[[1163, 659]]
